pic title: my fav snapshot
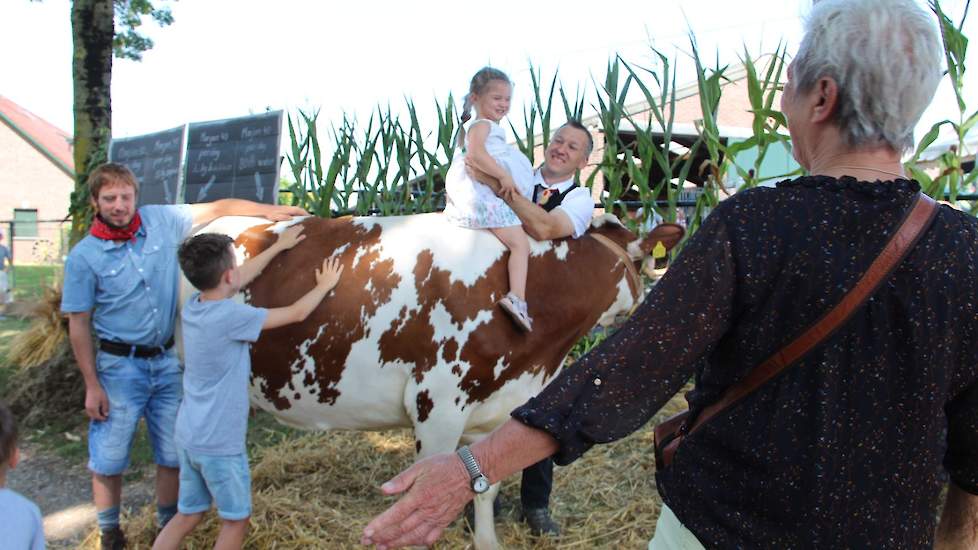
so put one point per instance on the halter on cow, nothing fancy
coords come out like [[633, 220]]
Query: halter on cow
[[412, 336]]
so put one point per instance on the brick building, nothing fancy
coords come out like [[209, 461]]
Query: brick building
[[36, 180]]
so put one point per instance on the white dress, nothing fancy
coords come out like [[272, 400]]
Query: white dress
[[473, 205]]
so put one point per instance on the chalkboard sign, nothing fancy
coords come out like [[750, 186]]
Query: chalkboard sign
[[156, 161], [235, 157]]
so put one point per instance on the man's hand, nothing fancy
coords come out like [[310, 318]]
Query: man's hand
[[277, 213], [480, 176], [96, 403], [437, 490], [330, 274], [290, 237]]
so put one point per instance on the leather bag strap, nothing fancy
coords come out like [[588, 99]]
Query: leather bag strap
[[913, 225]]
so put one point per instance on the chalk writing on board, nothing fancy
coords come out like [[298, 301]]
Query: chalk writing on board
[[236, 157]]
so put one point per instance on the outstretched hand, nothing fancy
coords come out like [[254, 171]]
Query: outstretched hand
[[329, 275], [291, 237], [437, 490], [279, 213]]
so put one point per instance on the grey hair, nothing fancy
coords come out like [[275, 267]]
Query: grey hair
[[885, 56], [480, 81]]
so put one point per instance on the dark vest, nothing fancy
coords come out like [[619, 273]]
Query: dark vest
[[554, 200]]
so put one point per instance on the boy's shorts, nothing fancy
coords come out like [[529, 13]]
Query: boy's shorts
[[224, 480], [136, 388]]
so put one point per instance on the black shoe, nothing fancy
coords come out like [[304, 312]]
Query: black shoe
[[540, 522], [113, 539]]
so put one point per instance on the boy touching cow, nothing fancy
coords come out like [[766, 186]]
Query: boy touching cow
[[212, 419]]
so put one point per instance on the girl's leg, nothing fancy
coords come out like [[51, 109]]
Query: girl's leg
[[518, 244]]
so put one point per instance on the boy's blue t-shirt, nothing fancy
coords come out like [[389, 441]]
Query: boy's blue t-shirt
[[213, 416], [20, 526]]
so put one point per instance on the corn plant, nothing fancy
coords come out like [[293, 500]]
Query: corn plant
[[951, 178], [767, 121], [611, 101], [647, 154], [538, 108], [715, 167]]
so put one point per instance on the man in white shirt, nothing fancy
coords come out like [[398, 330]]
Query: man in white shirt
[[557, 208]]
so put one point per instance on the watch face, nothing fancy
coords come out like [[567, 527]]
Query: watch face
[[480, 484]]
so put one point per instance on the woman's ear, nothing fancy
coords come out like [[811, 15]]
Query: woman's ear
[[826, 99]]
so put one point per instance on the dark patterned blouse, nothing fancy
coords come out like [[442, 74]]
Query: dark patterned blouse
[[848, 447]]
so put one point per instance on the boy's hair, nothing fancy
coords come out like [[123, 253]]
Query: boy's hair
[[204, 258], [8, 435], [110, 172]]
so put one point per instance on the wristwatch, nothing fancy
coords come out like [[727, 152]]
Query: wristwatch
[[480, 483]]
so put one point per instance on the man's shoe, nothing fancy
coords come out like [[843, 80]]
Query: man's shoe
[[113, 539], [540, 522]]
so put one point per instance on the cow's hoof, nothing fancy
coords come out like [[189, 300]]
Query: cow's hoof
[[540, 522]]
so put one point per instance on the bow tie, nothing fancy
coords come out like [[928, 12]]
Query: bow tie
[[543, 194]]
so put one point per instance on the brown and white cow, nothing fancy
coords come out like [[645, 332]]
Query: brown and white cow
[[412, 336]]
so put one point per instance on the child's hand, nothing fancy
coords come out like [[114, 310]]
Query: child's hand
[[291, 237], [507, 187], [330, 274]]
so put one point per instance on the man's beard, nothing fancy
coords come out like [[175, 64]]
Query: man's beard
[[114, 226]]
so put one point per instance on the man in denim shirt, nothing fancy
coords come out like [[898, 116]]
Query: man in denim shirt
[[123, 280]]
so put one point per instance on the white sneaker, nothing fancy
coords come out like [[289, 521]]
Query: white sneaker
[[516, 309]]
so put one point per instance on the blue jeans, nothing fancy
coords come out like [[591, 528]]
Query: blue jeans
[[223, 480], [136, 388]]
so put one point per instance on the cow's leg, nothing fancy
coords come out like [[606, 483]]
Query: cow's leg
[[438, 428], [485, 522]]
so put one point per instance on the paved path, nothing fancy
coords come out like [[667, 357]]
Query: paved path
[[62, 489]]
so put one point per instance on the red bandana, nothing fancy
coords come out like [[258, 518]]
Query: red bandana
[[105, 231]]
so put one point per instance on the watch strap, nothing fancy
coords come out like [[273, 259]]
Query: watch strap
[[468, 459]]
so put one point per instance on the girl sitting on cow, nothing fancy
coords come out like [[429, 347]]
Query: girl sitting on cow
[[472, 204]]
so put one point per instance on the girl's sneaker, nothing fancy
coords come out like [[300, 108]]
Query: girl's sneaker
[[516, 309]]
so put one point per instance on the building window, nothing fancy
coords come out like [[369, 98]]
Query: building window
[[25, 222]]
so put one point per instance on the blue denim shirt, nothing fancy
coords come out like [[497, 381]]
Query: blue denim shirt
[[131, 285]]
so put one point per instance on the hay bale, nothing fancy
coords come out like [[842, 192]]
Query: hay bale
[[52, 393], [46, 335], [319, 490], [46, 388]]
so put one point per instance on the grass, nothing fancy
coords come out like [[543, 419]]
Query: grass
[[29, 281]]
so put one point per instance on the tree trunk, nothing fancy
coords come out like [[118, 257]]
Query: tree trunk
[[92, 29]]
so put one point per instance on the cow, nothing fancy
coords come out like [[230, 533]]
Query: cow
[[412, 335]]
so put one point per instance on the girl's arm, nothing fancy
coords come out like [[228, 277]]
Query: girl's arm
[[477, 153]]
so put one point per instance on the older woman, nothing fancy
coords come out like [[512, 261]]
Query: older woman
[[849, 446]]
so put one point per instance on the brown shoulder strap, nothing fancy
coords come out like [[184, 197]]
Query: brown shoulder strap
[[911, 228]]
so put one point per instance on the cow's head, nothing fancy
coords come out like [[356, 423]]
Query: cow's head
[[636, 251]]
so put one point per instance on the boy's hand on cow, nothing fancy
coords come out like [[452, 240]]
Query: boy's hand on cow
[[290, 237], [329, 275]]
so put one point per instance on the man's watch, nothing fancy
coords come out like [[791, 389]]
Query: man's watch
[[479, 481]]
